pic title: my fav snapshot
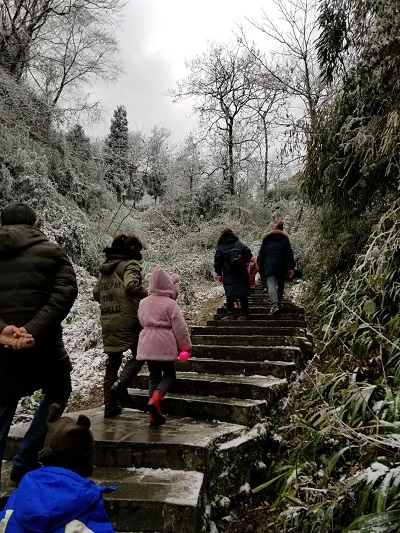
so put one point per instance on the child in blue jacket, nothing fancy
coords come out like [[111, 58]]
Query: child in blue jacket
[[57, 497]]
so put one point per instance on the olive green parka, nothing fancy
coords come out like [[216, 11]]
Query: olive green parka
[[119, 290]]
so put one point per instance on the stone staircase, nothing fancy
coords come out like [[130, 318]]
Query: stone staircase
[[177, 477]]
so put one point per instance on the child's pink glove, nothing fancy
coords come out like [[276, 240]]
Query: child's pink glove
[[220, 280]]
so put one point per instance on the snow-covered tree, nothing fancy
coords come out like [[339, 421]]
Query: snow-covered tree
[[157, 162], [116, 154], [78, 142], [222, 83]]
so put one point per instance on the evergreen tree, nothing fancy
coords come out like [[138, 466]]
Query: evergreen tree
[[156, 185], [157, 162], [116, 154], [78, 143], [136, 187]]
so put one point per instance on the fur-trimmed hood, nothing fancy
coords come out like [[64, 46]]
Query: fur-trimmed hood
[[163, 284], [275, 232]]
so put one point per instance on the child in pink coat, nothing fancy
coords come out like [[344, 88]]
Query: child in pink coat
[[163, 336]]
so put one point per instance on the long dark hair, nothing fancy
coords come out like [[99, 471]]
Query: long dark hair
[[124, 247], [127, 241]]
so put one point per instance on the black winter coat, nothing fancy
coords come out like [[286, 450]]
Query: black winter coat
[[276, 256], [38, 288], [236, 281]]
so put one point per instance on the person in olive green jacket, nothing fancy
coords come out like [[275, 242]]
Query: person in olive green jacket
[[119, 290]]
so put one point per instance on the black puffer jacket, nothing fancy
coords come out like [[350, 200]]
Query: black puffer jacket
[[236, 281], [276, 255], [38, 288]]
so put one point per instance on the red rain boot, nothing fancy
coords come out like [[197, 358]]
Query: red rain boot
[[154, 408]]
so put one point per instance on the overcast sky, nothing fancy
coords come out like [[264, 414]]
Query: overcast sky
[[156, 37]]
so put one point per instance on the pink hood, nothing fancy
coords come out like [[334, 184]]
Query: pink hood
[[164, 332], [162, 284]]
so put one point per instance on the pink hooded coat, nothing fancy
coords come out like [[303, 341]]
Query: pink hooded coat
[[164, 332]]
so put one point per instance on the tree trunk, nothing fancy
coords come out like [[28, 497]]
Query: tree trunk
[[231, 173], [266, 162]]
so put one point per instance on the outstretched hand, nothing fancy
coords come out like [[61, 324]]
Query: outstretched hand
[[16, 338]]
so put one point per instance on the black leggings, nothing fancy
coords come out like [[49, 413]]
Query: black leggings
[[162, 376], [131, 368]]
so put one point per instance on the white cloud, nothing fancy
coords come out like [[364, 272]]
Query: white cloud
[[156, 38]]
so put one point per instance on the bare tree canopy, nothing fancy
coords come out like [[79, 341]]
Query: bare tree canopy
[[57, 42], [222, 83], [293, 63]]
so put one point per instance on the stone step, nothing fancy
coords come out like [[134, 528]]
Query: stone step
[[249, 340], [264, 300], [251, 387], [147, 500], [153, 500], [246, 412], [247, 353], [233, 329], [264, 320], [262, 310], [129, 441], [278, 369]]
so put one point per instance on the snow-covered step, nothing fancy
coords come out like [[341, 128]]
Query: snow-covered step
[[153, 500]]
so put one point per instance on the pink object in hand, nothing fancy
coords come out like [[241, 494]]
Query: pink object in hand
[[184, 356]]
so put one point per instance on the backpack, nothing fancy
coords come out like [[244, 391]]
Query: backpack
[[297, 268], [235, 259]]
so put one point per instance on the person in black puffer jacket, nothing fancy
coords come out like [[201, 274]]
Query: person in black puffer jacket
[[230, 261], [38, 288], [275, 262]]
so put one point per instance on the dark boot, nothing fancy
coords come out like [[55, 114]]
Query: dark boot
[[154, 408], [111, 405], [154, 422], [121, 392], [229, 316], [244, 317]]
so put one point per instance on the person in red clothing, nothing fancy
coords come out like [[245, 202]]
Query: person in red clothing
[[252, 268]]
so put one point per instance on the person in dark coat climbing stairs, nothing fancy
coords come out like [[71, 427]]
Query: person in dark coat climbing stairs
[[275, 263], [230, 264]]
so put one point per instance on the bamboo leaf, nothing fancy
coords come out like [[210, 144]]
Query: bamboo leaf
[[331, 464], [268, 483], [388, 521]]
